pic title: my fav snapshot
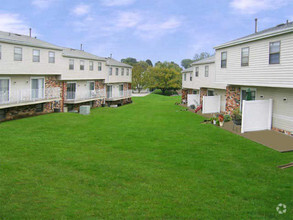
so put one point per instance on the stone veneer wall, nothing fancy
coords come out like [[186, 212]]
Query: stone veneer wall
[[184, 94], [232, 99], [203, 92]]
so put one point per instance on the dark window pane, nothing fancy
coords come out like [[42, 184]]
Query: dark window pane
[[275, 58]]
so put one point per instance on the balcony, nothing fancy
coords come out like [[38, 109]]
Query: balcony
[[13, 98], [118, 95], [75, 97]]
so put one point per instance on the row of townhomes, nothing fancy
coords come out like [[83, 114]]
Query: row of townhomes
[[257, 67], [39, 77]]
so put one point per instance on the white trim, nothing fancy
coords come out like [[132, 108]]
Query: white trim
[[43, 86]]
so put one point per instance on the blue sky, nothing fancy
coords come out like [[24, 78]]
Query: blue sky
[[165, 30]]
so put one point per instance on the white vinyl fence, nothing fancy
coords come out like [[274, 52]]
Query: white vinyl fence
[[211, 104], [193, 99], [256, 115]]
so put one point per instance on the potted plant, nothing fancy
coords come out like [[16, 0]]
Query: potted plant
[[227, 118], [213, 120], [237, 117], [221, 120]]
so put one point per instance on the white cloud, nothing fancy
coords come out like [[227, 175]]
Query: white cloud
[[117, 2], [128, 19], [13, 23], [43, 4], [81, 9], [255, 6]]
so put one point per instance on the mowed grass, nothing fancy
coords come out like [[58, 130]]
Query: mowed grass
[[147, 160]]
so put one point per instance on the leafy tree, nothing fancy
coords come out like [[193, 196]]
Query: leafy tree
[[130, 61], [201, 56], [186, 63], [139, 78], [149, 62], [165, 76]]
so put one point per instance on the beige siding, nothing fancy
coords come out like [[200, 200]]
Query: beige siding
[[187, 84], [282, 110], [27, 66], [259, 72], [117, 79]]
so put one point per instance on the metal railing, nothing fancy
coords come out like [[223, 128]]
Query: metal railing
[[28, 95], [84, 95], [117, 94]]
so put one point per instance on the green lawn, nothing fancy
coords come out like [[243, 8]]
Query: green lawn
[[147, 160]]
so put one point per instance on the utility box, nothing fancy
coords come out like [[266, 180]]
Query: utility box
[[65, 109], [85, 109]]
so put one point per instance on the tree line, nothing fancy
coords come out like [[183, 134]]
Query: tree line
[[165, 76]]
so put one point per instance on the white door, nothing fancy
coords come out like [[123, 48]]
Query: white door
[[256, 115], [37, 88], [4, 90]]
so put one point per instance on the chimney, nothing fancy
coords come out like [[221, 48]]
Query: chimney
[[255, 25], [287, 21], [111, 56], [30, 32], [80, 46]]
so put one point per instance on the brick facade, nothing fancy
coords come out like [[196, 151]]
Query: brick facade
[[232, 99], [184, 94], [203, 92]]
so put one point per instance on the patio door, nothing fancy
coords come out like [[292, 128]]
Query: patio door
[[4, 90], [91, 86], [71, 89], [109, 91], [121, 90], [247, 94], [37, 88]]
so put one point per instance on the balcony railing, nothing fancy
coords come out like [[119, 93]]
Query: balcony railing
[[118, 94], [10, 97], [84, 95]]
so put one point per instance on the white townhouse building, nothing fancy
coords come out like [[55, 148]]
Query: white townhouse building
[[29, 69], [258, 67], [39, 77], [200, 79]]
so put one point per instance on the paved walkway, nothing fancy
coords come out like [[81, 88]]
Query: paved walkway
[[140, 94]]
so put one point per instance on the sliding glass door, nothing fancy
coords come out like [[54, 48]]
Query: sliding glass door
[[71, 89], [4, 90], [38, 88]]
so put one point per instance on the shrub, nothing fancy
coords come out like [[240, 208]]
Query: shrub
[[227, 118]]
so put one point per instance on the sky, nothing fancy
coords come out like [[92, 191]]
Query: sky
[[160, 30]]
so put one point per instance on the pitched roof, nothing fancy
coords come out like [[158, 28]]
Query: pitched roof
[[190, 69], [19, 39], [113, 62], [74, 53], [277, 30], [210, 59]]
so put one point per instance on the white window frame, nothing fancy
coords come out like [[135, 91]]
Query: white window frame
[[89, 83], [99, 66], [122, 71], [122, 90], [51, 52], [211, 90], [184, 76], [21, 53], [72, 82], [225, 59], [38, 56], [206, 70], [110, 71], [9, 79], [91, 65], [70, 64], [242, 64], [274, 53], [190, 77], [31, 78], [196, 71], [116, 71], [127, 72], [80, 65]]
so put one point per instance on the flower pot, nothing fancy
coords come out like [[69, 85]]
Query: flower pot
[[221, 123], [214, 122]]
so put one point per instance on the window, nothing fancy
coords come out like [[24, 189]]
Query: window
[[117, 71], [36, 56], [206, 71], [122, 72], [4, 90], [223, 59], [247, 94], [71, 88], [120, 90], [211, 93], [196, 71], [110, 71], [91, 66], [190, 78], [51, 57], [0, 52], [71, 64], [194, 92], [109, 92], [184, 76], [275, 52], [37, 85], [17, 54], [127, 72], [92, 86], [245, 56], [99, 66], [82, 65]]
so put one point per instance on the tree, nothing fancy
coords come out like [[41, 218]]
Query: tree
[[130, 61], [149, 62], [186, 63], [139, 78], [201, 56], [164, 76]]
